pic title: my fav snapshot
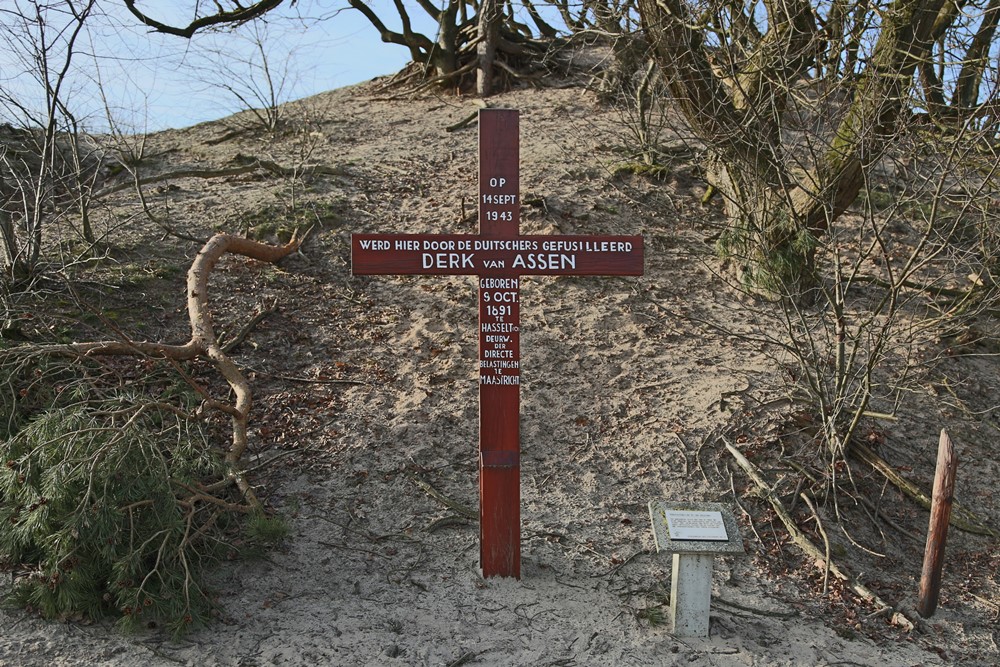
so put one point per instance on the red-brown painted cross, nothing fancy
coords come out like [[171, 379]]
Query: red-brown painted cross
[[498, 255]]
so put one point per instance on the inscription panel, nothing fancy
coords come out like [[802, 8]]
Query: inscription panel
[[463, 254], [695, 525], [499, 331]]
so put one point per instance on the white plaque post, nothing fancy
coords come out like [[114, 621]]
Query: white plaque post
[[695, 533], [691, 594]]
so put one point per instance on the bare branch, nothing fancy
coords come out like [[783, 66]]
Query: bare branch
[[236, 16]]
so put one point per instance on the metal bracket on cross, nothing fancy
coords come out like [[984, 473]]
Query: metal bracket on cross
[[499, 255]]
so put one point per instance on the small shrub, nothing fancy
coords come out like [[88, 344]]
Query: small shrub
[[105, 508], [264, 529]]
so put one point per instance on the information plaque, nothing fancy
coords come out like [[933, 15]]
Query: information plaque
[[696, 526], [694, 534]]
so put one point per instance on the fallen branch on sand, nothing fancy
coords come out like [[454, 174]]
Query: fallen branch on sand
[[203, 342], [800, 538], [244, 165], [961, 517], [459, 508]]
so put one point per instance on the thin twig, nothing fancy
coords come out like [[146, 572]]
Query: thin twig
[[454, 127], [292, 378], [683, 450], [753, 526], [826, 540], [752, 610], [445, 521], [241, 335], [462, 659], [613, 571], [347, 548], [697, 459], [450, 503]]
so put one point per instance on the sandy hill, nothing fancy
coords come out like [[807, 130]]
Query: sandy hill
[[366, 397]]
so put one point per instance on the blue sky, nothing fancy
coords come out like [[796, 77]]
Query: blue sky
[[311, 49], [153, 81]]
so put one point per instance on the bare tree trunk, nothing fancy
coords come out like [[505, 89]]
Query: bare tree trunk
[[775, 216], [489, 31], [7, 235], [966, 94]]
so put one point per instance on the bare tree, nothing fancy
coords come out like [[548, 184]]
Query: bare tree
[[44, 36], [469, 36], [741, 74], [259, 82]]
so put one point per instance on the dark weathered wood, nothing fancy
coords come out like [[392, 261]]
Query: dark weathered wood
[[937, 534], [486, 49], [498, 255], [499, 350]]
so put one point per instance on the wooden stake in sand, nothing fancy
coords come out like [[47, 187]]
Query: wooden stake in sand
[[937, 533], [499, 256]]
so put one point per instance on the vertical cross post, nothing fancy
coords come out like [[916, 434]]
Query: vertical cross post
[[499, 351]]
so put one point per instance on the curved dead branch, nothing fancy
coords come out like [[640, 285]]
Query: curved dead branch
[[203, 341], [236, 16]]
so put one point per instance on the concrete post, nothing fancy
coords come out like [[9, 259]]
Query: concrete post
[[695, 534], [691, 594]]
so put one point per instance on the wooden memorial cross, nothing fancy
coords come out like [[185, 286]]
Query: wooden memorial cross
[[498, 255]]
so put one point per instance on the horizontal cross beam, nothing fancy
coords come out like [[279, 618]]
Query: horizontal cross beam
[[471, 254]]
